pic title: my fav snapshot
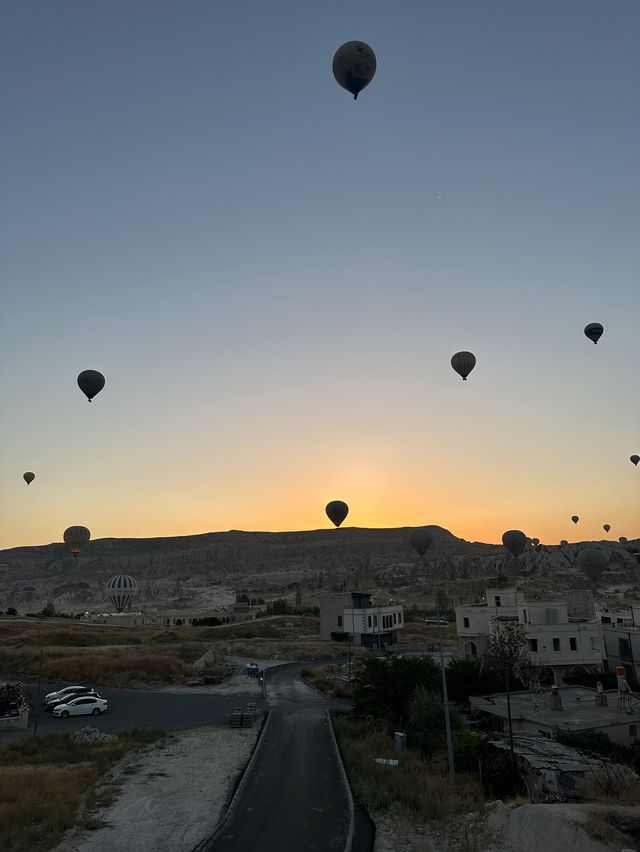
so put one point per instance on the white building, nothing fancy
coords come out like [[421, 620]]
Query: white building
[[355, 615], [557, 641]]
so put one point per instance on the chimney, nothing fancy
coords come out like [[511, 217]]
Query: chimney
[[556, 700]]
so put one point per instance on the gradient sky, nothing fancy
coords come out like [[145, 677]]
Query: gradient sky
[[273, 278]]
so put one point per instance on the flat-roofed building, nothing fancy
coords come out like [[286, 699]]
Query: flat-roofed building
[[356, 615]]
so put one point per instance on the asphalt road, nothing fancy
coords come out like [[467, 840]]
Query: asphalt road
[[293, 799], [136, 708]]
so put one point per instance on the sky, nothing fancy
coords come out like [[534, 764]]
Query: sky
[[273, 278]]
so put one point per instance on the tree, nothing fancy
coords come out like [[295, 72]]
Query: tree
[[384, 687], [426, 726], [506, 654], [49, 610], [11, 610], [469, 676]]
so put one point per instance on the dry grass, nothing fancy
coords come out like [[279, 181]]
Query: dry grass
[[412, 789], [324, 679], [601, 827], [41, 793]]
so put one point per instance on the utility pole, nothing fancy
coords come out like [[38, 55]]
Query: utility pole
[[445, 695]]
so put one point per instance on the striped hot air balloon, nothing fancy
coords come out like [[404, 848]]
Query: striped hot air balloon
[[121, 590]]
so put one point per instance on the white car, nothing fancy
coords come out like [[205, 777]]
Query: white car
[[62, 692], [88, 705]]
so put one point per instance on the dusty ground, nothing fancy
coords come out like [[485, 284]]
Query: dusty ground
[[172, 795]]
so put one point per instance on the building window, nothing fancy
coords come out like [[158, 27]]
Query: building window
[[533, 645], [573, 643], [395, 617], [633, 730], [400, 617], [524, 616], [375, 620], [369, 621], [497, 600], [624, 649], [466, 622], [552, 615], [556, 644], [339, 621]]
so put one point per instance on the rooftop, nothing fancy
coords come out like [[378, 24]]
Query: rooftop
[[579, 711]]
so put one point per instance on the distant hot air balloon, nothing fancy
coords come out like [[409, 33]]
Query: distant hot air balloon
[[463, 363], [564, 542], [623, 539], [594, 331], [90, 383], [575, 519], [634, 458], [354, 65], [420, 540], [121, 590], [535, 542], [28, 477], [606, 527], [515, 541], [337, 511], [592, 561], [76, 538]]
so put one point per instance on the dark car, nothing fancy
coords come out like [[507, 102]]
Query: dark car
[[49, 706]]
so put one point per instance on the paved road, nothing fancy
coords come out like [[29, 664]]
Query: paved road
[[293, 800], [136, 708]]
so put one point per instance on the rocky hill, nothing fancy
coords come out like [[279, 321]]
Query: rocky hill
[[175, 568]]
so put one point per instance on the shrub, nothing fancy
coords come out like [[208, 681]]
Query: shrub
[[427, 722]]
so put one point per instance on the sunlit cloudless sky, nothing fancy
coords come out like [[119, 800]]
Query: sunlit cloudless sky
[[273, 277]]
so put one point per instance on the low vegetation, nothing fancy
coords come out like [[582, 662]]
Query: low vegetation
[[333, 681], [414, 789], [47, 785]]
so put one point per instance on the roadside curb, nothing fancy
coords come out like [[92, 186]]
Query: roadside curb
[[345, 783], [233, 804]]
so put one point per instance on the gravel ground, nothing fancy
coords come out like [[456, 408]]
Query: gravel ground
[[173, 794]]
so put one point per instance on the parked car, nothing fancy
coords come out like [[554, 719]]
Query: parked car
[[85, 705], [66, 698], [65, 691]]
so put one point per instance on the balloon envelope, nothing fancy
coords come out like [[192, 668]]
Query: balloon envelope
[[354, 64], [420, 540], [592, 561], [575, 519], [515, 541], [622, 539], [76, 538], [28, 477], [121, 590], [337, 511], [535, 542], [90, 383], [463, 363], [606, 527], [634, 458], [564, 541], [594, 331]]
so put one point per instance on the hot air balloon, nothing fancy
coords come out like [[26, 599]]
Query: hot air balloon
[[337, 511], [76, 538], [594, 331], [90, 383], [564, 542], [420, 540], [121, 590], [463, 363], [515, 542], [606, 527], [535, 542], [634, 459], [28, 477], [354, 65], [575, 519], [592, 561], [623, 539]]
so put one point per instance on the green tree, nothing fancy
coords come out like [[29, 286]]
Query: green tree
[[426, 726], [506, 653], [384, 687], [469, 676]]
